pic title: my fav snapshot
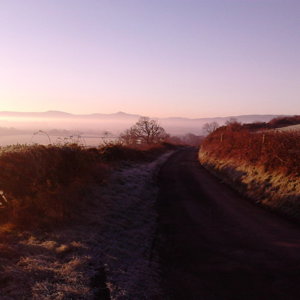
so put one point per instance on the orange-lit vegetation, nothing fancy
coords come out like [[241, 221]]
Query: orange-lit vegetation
[[264, 165], [40, 184], [46, 181], [275, 151]]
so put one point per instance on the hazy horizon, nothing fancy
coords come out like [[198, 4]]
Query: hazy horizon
[[127, 113], [27, 124]]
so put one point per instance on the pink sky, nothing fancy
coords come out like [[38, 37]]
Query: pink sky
[[158, 58]]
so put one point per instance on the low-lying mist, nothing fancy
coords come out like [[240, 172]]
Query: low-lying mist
[[27, 128]]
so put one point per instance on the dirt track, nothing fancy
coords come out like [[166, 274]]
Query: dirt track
[[217, 245]]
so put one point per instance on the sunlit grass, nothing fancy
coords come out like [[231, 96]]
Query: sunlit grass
[[7, 227], [264, 166]]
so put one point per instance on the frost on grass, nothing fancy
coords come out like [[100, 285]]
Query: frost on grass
[[116, 230], [129, 232], [47, 266]]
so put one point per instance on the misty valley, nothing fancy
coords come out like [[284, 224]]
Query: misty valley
[[150, 150]]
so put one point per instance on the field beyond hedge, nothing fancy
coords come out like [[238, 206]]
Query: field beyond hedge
[[265, 165]]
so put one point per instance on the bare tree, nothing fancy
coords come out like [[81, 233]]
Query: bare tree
[[145, 131], [210, 127]]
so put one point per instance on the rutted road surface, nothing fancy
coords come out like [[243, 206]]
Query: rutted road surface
[[217, 245]]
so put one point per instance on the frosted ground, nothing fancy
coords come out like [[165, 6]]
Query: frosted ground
[[115, 237]]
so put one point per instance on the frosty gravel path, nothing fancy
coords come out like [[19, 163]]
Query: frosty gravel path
[[129, 230]]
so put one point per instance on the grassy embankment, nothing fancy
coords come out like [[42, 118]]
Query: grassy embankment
[[264, 165]]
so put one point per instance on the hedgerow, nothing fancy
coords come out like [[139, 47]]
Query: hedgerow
[[274, 150], [45, 181], [43, 184]]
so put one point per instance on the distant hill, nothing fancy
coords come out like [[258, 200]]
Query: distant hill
[[48, 114], [113, 122], [222, 120], [123, 115], [62, 115], [183, 125]]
